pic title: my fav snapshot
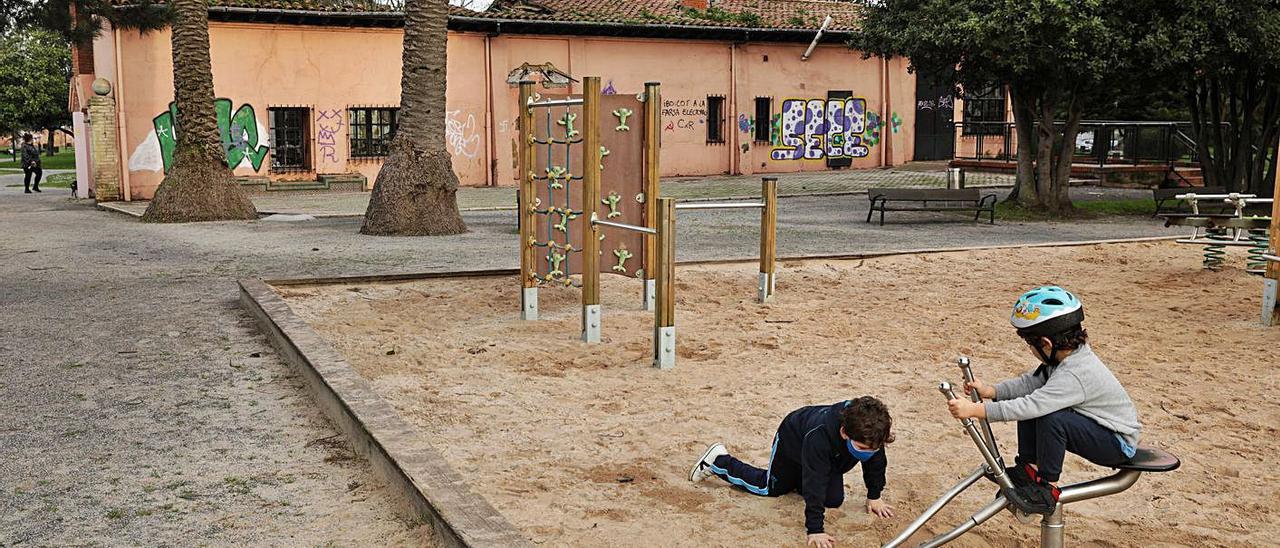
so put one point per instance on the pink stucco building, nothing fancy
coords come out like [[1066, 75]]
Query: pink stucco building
[[308, 96]]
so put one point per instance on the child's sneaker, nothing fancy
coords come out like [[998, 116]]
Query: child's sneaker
[[702, 470], [1022, 474], [1039, 497]]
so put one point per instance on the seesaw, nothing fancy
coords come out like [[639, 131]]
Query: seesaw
[[1052, 526]]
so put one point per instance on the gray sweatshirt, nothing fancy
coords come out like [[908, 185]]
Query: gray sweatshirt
[[1082, 383]]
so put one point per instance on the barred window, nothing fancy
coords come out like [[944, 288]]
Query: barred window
[[371, 131], [290, 138], [764, 109], [715, 119], [986, 109]]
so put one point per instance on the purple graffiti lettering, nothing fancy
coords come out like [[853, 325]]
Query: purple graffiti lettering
[[328, 123], [791, 141]]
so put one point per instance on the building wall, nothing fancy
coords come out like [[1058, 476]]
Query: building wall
[[329, 70]]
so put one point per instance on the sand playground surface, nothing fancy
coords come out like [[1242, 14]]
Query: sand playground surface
[[590, 446]]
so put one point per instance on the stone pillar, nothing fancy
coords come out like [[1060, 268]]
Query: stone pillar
[[81, 129], [105, 153]]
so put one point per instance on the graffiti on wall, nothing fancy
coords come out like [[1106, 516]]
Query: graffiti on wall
[[745, 124], [813, 129], [328, 123], [682, 114], [242, 136], [460, 134]]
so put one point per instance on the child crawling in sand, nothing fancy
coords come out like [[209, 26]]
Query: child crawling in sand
[[813, 449], [1071, 402]]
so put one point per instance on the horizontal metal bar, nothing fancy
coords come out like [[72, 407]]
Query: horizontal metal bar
[[557, 103], [632, 228], [1226, 243], [722, 205], [1270, 257], [1192, 195], [1100, 487]]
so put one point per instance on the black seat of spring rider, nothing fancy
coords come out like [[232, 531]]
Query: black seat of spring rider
[[1150, 459]]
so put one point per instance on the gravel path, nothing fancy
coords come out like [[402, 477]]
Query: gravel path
[[142, 407]]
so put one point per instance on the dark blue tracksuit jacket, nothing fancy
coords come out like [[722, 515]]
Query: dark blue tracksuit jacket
[[809, 442]]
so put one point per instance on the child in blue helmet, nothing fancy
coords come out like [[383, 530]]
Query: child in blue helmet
[[1070, 402], [813, 449]]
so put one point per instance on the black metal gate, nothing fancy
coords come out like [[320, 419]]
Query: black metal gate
[[935, 109], [840, 161]]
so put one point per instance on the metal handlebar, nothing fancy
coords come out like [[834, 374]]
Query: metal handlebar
[[988, 435], [994, 466]]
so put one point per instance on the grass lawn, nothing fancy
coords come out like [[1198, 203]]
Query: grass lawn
[[1085, 209], [57, 180], [64, 159]]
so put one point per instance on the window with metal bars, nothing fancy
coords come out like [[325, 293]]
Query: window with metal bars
[[290, 138], [715, 119], [764, 109], [371, 130], [984, 112]]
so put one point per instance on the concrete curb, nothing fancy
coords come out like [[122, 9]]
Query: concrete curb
[[111, 206], [515, 272], [412, 467]]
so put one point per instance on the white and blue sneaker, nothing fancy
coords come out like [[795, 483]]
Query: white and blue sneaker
[[702, 469]]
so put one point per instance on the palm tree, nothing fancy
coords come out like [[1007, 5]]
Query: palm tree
[[199, 186], [416, 192]]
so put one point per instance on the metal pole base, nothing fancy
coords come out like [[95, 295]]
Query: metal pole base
[[650, 294], [1269, 289], [765, 287], [591, 323], [529, 304], [1051, 529], [664, 347]]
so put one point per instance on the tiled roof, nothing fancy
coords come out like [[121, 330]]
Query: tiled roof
[[766, 14], [744, 14]]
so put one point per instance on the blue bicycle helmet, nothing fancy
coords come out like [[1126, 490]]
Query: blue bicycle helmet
[[1046, 311]]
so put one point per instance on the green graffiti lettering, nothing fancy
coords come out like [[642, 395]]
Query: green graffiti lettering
[[239, 132]]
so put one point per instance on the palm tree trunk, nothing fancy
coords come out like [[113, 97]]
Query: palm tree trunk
[[199, 186], [416, 192]]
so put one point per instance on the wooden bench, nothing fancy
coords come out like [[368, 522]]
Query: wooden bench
[[931, 199], [1181, 208]]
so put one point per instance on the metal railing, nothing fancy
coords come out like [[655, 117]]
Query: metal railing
[[1099, 142]]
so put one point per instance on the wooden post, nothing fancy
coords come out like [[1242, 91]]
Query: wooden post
[[1271, 282], [590, 203], [652, 141], [768, 237], [527, 198], [664, 315]]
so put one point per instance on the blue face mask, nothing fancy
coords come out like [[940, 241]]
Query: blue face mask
[[859, 454]]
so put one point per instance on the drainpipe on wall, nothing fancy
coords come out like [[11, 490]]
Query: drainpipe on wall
[[122, 134], [735, 158], [885, 130], [491, 174], [807, 52]]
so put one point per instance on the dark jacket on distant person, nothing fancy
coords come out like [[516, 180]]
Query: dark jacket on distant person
[[30, 156]]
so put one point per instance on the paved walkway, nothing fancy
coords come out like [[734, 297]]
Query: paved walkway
[[922, 175], [141, 407]]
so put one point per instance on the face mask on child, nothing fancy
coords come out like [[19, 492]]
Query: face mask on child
[[859, 454]]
